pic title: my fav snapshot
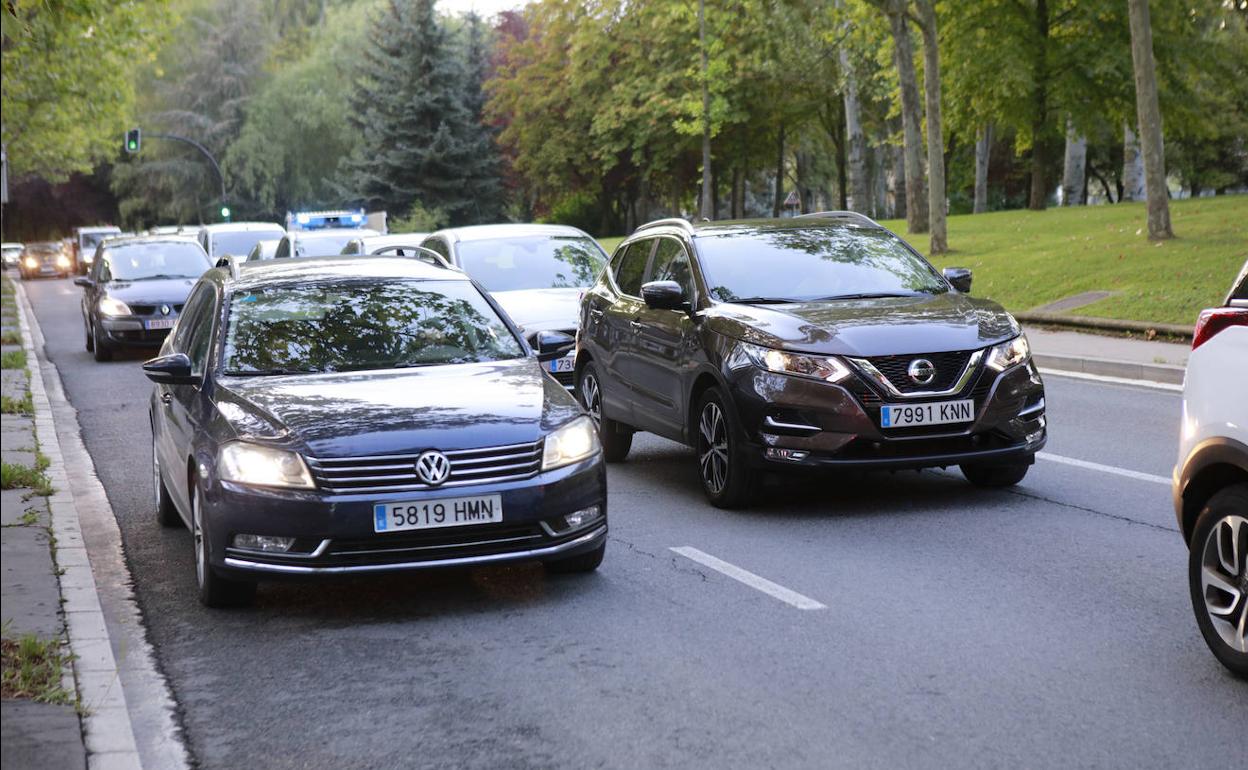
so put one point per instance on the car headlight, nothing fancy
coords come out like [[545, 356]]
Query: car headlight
[[31, 263], [571, 443], [1007, 354], [62, 261], [263, 466], [114, 307], [827, 368]]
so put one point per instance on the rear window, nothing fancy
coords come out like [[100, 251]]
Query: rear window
[[532, 262]]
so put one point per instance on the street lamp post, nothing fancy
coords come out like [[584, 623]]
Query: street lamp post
[[225, 209]]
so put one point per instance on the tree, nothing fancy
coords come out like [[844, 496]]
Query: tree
[[68, 89], [1149, 115], [935, 132], [912, 134]]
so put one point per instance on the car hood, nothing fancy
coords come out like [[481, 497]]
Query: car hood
[[536, 310], [929, 323], [172, 291], [398, 411]]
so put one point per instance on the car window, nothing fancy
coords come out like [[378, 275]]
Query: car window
[[438, 245], [313, 245], [106, 272], [199, 340], [361, 324], [532, 262], [671, 263], [200, 295], [166, 259], [283, 249], [240, 242], [630, 270]]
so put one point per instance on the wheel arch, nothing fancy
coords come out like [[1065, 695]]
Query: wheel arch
[[1212, 466], [702, 382]]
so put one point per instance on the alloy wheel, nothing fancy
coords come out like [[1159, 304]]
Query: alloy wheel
[[591, 397], [713, 447], [1224, 580], [197, 530]]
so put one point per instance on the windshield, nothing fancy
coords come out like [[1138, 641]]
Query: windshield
[[532, 262], [239, 243], [322, 245], [795, 265], [91, 240], [358, 325], [169, 259]]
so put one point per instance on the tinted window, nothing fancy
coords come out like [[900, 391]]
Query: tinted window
[[355, 325], [437, 245], [196, 305], [812, 263], [671, 263], [199, 339], [532, 262], [240, 243], [170, 259], [631, 267]]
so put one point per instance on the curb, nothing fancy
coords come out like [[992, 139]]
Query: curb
[[1108, 367], [1105, 324], [108, 730]]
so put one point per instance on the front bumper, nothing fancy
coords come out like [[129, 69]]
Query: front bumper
[[131, 331], [838, 426], [334, 533]]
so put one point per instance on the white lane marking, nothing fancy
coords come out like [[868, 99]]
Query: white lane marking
[[1168, 386], [1103, 468], [750, 579]]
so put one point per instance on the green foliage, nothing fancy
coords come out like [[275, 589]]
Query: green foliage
[[14, 359], [23, 405], [69, 79], [576, 209], [418, 219], [14, 476]]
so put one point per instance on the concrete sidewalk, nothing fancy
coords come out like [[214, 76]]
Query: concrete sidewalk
[[1109, 356]]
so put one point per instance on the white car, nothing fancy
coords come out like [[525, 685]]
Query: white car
[[1210, 483], [12, 254], [326, 242], [236, 238]]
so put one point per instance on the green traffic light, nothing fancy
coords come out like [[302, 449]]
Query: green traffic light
[[225, 212], [133, 146]]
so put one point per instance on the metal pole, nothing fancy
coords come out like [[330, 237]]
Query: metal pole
[[203, 151]]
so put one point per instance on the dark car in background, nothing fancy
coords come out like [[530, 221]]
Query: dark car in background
[[333, 416], [136, 289], [812, 342], [536, 272], [45, 260]]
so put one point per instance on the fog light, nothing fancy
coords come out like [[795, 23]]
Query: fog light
[[582, 517], [788, 455], [264, 543]]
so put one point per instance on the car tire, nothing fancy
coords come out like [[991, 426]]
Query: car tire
[[1222, 530], [723, 468], [582, 562], [98, 346], [995, 476], [615, 437], [166, 511], [214, 590]]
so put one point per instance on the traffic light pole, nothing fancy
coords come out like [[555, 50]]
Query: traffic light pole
[[211, 160]]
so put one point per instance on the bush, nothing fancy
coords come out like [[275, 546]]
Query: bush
[[578, 209], [418, 220]]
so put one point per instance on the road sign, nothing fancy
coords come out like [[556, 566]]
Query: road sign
[[792, 201]]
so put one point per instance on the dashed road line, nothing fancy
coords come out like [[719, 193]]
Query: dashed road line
[[774, 590], [1130, 474]]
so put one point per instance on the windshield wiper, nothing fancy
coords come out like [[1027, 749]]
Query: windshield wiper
[[867, 295], [267, 372], [766, 300], [160, 277]]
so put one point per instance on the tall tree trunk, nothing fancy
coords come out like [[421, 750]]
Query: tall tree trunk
[[1074, 167], [708, 205], [899, 181], [844, 155], [859, 196], [935, 131], [1149, 114], [778, 205], [879, 183], [912, 134], [1039, 198], [1132, 166], [983, 149], [737, 194]]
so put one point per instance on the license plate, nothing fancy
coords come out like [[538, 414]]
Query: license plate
[[160, 323], [567, 364], [940, 413], [435, 514]]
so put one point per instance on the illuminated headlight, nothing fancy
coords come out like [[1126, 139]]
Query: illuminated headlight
[[114, 307], [828, 368], [571, 443], [63, 262], [263, 466], [31, 263], [1007, 354]]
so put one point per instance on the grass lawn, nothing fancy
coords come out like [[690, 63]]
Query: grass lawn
[[1024, 259]]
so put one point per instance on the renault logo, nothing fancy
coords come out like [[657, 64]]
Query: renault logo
[[164, 309], [432, 467], [921, 371]]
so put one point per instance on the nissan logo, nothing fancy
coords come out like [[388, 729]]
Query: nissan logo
[[921, 371], [432, 467]]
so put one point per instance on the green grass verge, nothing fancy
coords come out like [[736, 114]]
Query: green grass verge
[[1026, 259], [23, 405], [11, 337], [14, 359], [14, 476], [32, 669]]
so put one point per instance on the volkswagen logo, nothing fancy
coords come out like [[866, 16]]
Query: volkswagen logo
[[921, 371], [432, 467], [165, 309]]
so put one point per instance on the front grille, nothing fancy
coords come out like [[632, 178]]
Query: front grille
[[566, 379], [152, 309], [977, 389], [949, 366], [397, 473]]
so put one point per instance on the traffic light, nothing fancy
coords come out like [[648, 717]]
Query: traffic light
[[225, 213], [134, 140]]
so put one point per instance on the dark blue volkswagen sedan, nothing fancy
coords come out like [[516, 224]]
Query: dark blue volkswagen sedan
[[328, 416]]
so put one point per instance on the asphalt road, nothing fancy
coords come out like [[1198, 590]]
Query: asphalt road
[[1047, 626]]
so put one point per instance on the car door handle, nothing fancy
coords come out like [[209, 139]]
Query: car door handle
[[166, 398]]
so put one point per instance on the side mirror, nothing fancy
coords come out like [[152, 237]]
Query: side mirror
[[960, 277], [83, 281], [552, 345], [173, 369], [664, 295]]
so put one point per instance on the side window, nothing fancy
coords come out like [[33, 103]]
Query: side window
[[200, 340], [438, 245], [106, 273], [191, 312], [671, 263], [283, 249], [631, 268]]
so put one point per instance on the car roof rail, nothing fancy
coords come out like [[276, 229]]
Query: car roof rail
[[863, 218], [683, 224], [425, 253]]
